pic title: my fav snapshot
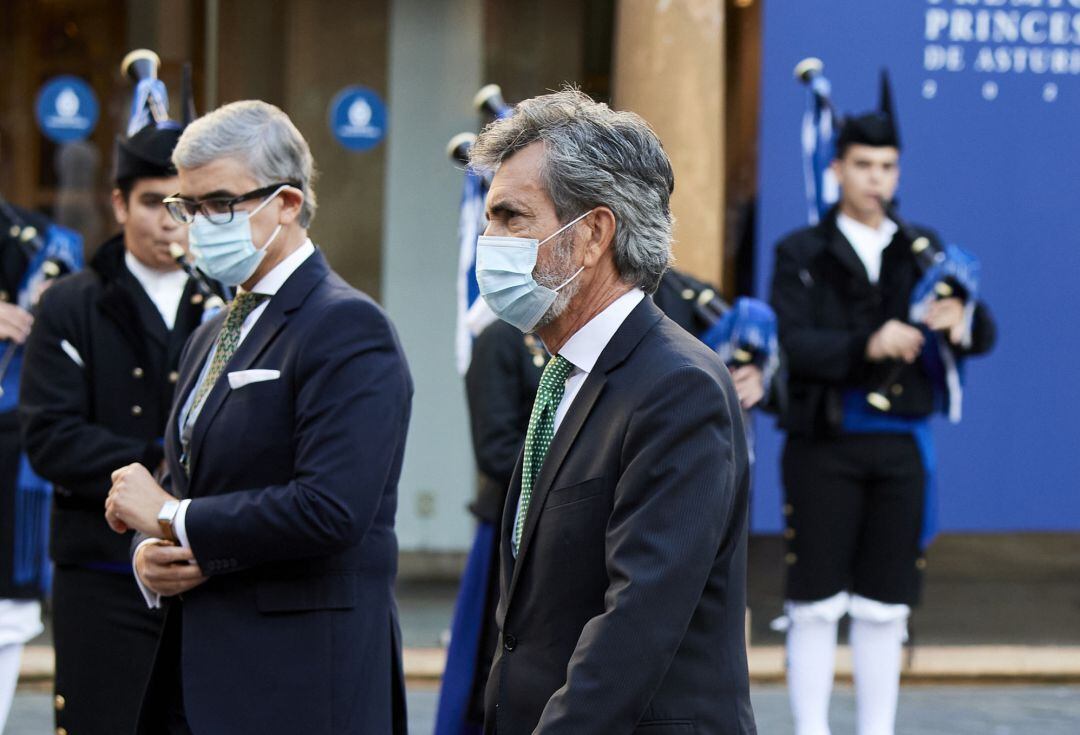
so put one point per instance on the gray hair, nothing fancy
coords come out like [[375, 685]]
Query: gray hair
[[595, 156], [260, 136]]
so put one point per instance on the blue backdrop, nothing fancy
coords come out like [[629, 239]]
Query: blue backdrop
[[988, 98]]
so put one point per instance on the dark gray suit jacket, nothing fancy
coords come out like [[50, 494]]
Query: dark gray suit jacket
[[624, 610]]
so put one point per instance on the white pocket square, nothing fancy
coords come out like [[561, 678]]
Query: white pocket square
[[240, 378]]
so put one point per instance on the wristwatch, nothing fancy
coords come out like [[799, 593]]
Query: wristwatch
[[165, 519]]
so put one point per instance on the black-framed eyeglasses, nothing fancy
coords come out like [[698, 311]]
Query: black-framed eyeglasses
[[218, 210]]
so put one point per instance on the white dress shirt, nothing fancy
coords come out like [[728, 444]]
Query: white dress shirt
[[269, 284], [869, 242], [583, 349], [165, 288]]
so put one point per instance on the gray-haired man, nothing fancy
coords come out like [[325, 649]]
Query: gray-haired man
[[623, 544], [284, 447]]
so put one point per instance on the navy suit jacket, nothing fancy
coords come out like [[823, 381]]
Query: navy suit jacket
[[294, 490], [624, 610]]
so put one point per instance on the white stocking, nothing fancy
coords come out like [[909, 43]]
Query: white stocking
[[811, 661], [878, 632]]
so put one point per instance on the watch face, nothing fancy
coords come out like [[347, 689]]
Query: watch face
[[168, 510]]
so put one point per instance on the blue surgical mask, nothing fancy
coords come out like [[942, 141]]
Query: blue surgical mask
[[226, 252], [504, 267]]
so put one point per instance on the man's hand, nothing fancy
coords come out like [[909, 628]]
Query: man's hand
[[167, 569], [947, 314], [134, 501], [749, 385], [15, 323], [895, 340]]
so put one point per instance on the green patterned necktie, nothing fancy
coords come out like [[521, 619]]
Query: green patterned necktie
[[228, 340], [539, 435]]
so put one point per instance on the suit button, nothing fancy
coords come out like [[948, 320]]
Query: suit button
[[789, 533], [174, 376], [897, 389], [59, 702], [509, 642], [136, 410], [790, 558], [137, 372], [788, 510], [61, 731]]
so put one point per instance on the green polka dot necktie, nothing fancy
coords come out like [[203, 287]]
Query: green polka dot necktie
[[539, 435], [227, 342]]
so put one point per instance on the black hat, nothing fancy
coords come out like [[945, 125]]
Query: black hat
[[878, 128], [148, 153]]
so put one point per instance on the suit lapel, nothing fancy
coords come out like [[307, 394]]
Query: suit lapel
[[288, 298], [644, 316], [200, 349], [506, 525]]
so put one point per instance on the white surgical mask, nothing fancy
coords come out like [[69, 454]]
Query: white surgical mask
[[226, 252], [504, 267]]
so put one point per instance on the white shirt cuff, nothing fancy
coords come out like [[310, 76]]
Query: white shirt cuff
[[180, 523], [153, 599]]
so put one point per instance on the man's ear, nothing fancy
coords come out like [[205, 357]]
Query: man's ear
[[292, 200], [120, 207], [599, 226]]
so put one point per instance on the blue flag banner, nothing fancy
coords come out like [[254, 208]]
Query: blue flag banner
[[473, 313], [988, 94], [818, 146]]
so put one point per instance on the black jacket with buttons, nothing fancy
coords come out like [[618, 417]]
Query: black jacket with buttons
[[827, 310], [81, 422]]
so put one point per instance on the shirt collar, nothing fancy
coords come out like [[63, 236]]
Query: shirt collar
[[151, 278], [857, 232], [275, 279], [585, 345]]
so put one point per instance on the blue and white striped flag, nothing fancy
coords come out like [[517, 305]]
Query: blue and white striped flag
[[473, 313], [819, 129]]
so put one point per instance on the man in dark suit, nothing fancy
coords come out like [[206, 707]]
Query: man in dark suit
[[856, 476], [284, 447], [623, 542]]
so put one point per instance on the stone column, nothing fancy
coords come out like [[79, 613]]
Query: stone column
[[669, 68]]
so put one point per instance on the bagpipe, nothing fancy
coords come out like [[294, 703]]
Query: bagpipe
[[49, 255], [949, 272], [743, 334], [150, 102], [473, 313]]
